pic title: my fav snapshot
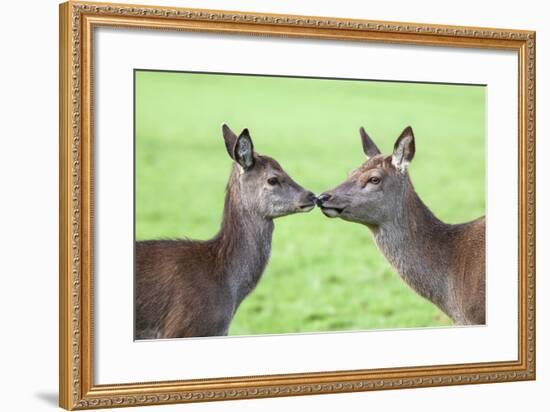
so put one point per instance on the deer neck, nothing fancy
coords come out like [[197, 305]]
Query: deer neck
[[243, 246], [416, 244]]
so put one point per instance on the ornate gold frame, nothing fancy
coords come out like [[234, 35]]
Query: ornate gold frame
[[77, 22]]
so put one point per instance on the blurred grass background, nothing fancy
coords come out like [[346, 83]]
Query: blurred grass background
[[324, 274]]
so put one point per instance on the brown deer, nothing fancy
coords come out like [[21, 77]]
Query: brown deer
[[190, 288], [443, 263]]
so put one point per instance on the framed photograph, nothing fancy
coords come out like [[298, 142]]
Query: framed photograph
[[259, 205]]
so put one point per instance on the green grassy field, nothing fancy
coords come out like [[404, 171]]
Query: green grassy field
[[324, 274]]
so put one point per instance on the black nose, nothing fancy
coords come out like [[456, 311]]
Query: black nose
[[311, 197], [323, 198]]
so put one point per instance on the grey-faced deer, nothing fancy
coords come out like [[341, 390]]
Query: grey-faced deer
[[190, 288], [443, 263]]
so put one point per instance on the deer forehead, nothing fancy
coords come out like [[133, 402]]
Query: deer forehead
[[269, 164], [379, 162]]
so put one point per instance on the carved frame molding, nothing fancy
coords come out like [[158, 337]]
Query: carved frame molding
[[77, 21]]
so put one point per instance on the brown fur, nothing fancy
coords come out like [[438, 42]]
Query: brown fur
[[443, 263], [190, 288]]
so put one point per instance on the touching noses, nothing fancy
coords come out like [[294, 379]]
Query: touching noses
[[311, 197]]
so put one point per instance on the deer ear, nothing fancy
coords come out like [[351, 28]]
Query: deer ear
[[403, 150], [243, 152], [369, 147], [230, 139]]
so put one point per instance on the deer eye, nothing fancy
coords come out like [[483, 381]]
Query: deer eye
[[273, 181], [374, 180]]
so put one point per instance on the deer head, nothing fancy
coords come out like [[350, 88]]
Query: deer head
[[373, 193], [259, 183]]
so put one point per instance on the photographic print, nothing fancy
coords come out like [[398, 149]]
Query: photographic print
[[273, 187], [278, 204]]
